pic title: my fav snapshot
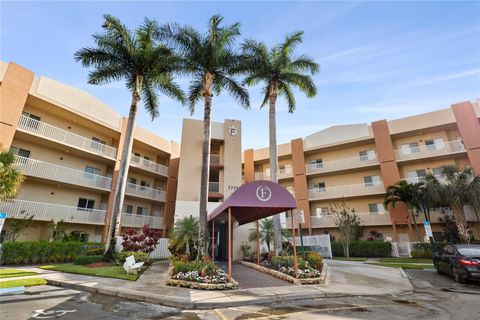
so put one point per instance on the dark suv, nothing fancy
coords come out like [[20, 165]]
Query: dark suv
[[462, 261]]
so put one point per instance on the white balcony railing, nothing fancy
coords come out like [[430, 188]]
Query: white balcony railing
[[282, 174], [56, 134], [214, 187], [424, 151], [368, 219], [259, 176], [145, 192], [341, 164], [214, 159], [49, 171], [352, 190], [138, 221], [438, 215], [148, 165], [48, 211]]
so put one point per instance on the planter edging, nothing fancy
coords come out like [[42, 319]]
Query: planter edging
[[200, 285]]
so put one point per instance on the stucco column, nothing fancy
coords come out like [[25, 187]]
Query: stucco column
[[248, 166], [389, 171], [300, 180], [469, 127], [14, 90], [172, 183], [116, 169]]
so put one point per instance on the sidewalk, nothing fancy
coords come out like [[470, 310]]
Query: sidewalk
[[343, 279]]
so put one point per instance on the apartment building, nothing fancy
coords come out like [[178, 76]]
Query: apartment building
[[68, 145], [355, 163]]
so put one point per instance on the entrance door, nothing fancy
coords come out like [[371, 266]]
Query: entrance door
[[403, 237]]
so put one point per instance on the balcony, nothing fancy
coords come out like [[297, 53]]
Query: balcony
[[353, 190], [145, 192], [284, 173], [150, 166], [56, 134], [214, 187], [215, 159], [438, 215], [47, 211], [138, 221], [341, 164], [368, 219], [449, 147], [49, 171]]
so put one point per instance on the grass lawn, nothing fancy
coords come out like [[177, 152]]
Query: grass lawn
[[350, 259], [402, 265], [10, 273], [109, 272], [406, 260], [22, 282]]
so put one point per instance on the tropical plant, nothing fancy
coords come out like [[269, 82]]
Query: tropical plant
[[278, 69], [14, 228], [347, 223], [58, 230], [185, 234], [10, 178], [140, 242], [212, 62], [458, 188], [147, 66], [265, 230], [405, 193]]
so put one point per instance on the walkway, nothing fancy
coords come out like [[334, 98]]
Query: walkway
[[343, 279], [248, 278]]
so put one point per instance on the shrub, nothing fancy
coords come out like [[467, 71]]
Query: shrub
[[82, 260], [145, 242], [139, 256], [202, 267], [245, 248], [421, 254], [287, 261], [33, 252], [95, 252], [362, 248], [314, 259]]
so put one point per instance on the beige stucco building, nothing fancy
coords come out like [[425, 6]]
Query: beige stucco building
[[355, 163], [68, 145]]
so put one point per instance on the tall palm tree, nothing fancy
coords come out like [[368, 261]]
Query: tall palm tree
[[146, 65], [10, 178], [459, 188], [278, 69], [212, 62], [403, 192], [185, 233]]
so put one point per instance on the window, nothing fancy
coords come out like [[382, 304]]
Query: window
[[371, 181], [435, 144], [144, 184], [142, 211], [317, 163], [146, 160], [437, 172], [20, 152], [98, 144], [410, 148], [128, 208], [367, 155], [319, 187], [417, 175], [90, 171], [375, 208], [32, 121], [321, 212], [85, 204], [131, 182]]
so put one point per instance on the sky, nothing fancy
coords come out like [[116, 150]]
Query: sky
[[378, 59]]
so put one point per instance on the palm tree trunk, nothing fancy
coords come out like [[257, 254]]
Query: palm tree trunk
[[203, 227], [277, 228], [115, 220], [462, 226], [415, 224]]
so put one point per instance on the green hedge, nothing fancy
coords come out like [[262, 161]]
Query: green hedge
[[82, 260], [33, 252], [362, 248], [139, 256]]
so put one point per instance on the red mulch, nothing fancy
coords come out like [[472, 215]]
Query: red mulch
[[99, 264]]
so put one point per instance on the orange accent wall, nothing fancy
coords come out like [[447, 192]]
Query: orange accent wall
[[469, 128], [14, 90], [300, 180], [389, 169], [113, 188], [172, 182], [248, 166]]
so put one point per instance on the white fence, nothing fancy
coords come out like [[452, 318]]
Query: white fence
[[317, 243], [160, 252]]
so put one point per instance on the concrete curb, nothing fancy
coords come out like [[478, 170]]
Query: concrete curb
[[286, 277]]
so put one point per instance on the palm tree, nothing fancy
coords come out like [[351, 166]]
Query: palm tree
[[185, 233], [265, 232], [10, 178], [459, 188], [146, 65], [403, 192], [212, 62], [278, 69]]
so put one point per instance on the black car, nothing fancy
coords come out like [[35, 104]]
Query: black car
[[462, 261]]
